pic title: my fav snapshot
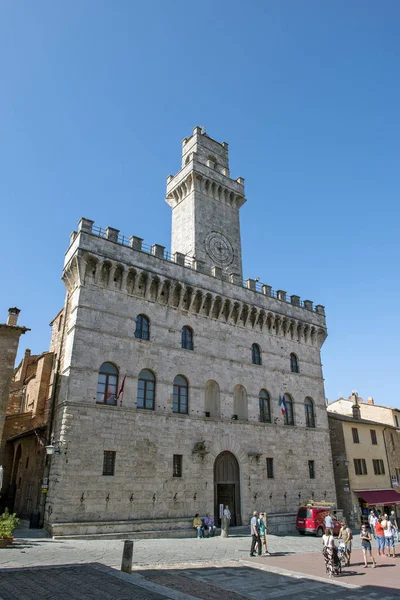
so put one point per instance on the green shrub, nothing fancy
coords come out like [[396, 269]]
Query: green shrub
[[8, 523]]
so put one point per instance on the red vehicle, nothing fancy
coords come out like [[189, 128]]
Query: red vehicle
[[310, 519]]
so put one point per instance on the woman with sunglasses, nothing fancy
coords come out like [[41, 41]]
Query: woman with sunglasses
[[366, 538]]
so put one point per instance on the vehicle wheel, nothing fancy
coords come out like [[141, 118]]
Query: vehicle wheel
[[320, 532]]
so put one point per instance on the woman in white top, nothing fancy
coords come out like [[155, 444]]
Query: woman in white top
[[329, 552]]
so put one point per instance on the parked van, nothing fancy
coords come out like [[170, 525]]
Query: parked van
[[310, 519]]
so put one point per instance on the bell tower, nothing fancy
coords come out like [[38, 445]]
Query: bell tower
[[205, 204]]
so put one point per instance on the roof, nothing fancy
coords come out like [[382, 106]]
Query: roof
[[363, 404], [27, 433], [57, 315], [339, 417], [374, 497], [14, 327]]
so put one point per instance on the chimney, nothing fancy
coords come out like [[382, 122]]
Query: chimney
[[13, 316], [370, 400], [355, 408]]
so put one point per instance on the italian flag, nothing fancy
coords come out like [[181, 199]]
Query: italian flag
[[282, 404]]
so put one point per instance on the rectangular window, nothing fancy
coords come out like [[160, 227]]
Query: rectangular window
[[311, 469], [379, 467], [270, 468], [397, 420], [398, 476], [373, 436], [109, 462], [360, 466], [354, 431], [177, 465]]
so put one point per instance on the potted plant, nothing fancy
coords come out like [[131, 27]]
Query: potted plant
[[8, 522]]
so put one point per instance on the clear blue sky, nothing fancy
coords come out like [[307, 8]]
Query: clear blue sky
[[96, 97]]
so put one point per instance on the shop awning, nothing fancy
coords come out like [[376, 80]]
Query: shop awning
[[373, 497]]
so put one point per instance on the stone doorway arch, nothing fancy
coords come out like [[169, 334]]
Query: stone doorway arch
[[227, 486]]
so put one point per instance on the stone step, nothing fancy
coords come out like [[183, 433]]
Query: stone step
[[140, 535]]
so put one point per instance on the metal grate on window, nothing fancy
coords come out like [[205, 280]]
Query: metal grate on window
[[109, 462], [177, 465]]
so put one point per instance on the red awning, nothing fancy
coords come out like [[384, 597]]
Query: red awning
[[374, 497]]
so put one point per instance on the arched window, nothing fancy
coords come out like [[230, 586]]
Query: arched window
[[187, 338], [212, 407], [107, 384], [142, 331], [265, 406], [256, 354], [240, 407], [289, 415], [180, 395], [309, 410], [146, 390], [294, 363]]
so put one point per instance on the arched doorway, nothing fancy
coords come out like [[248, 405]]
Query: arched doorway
[[227, 486]]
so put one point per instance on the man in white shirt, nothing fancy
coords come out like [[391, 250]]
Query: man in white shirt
[[372, 519], [328, 521]]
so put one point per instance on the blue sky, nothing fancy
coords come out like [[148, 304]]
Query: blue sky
[[96, 97]]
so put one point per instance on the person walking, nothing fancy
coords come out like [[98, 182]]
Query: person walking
[[263, 532], [255, 534], [380, 536], [366, 538], [346, 535], [329, 552], [388, 531], [328, 521], [393, 521], [372, 519]]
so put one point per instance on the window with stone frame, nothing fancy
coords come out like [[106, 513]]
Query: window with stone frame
[[288, 418], [379, 466], [360, 466], [374, 440], [177, 465], [311, 469], [187, 338], [309, 412], [146, 390], [142, 331], [109, 462], [265, 406], [107, 384], [354, 432], [294, 363], [270, 468], [256, 354], [180, 396]]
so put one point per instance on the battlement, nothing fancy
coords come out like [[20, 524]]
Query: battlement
[[113, 236]]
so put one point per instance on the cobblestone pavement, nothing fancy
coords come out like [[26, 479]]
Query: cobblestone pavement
[[179, 569]]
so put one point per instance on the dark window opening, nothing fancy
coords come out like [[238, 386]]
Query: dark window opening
[[379, 467], [107, 384], [309, 410], [265, 407], [311, 469], [270, 468], [142, 331], [180, 395], [294, 364], [354, 431], [256, 354], [146, 390], [187, 338], [288, 418], [109, 462], [360, 466], [373, 436], [177, 465]]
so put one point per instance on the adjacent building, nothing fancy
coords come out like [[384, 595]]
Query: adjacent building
[[364, 453], [171, 369]]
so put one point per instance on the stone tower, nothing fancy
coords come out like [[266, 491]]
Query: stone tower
[[205, 204]]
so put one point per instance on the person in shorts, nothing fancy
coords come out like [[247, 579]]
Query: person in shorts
[[388, 529], [380, 536], [346, 535], [263, 532], [366, 538]]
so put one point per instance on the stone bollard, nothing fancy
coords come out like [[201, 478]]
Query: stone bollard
[[127, 555], [224, 527]]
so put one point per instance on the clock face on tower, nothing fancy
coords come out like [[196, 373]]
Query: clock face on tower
[[219, 249]]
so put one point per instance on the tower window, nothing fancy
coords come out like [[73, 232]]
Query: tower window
[[177, 465], [256, 354], [187, 338], [270, 468], [109, 462], [146, 389], [107, 384], [180, 395], [288, 417], [294, 363], [142, 331], [265, 406], [311, 469], [309, 411]]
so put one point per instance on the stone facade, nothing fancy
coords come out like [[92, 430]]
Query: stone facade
[[10, 333], [223, 439]]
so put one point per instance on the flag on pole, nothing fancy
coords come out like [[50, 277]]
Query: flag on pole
[[40, 441], [121, 391], [282, 404]]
